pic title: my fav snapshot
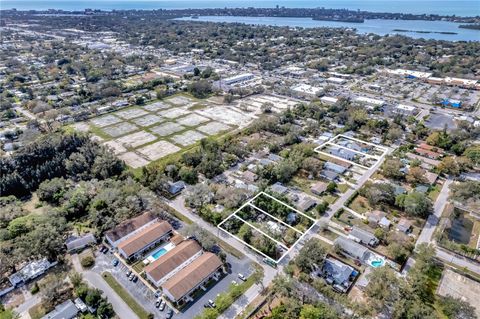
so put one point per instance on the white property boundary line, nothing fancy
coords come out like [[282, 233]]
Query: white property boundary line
[[249, 203], [331, 142]]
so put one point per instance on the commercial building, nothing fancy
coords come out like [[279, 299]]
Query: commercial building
[[410, 73], [369, 101], [145, 239], [238, 78], [129, 228], [204, 268], [404, 109], [172, 262], [306, 91]]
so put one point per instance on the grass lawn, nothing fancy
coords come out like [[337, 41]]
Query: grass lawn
[[329, 199], [112, 282], [343, 188], [360, 205], [433, 194], [138, 266], [37, 311]]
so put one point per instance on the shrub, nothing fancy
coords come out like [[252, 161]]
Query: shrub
[[34, 289], [87, 262]]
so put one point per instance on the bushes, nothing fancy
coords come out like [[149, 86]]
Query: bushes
[[35, 288], [87, 262]]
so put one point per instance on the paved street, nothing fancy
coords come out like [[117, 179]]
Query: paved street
[[457, 260], [432, 220]]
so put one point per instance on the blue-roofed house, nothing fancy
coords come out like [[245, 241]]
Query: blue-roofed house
[[338, 274], [175, 188], [334, 167]]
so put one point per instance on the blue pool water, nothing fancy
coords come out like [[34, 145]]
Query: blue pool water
[[159, 253], [376, 263]]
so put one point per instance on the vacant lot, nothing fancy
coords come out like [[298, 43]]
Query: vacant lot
[[120, 129], [158, 150], [459, 286]]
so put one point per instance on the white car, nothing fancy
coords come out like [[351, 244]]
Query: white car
[[242, 277]]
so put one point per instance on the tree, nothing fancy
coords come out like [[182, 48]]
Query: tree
[[188, 175], [76, 279], [87, 261], [320, 312], [198, 195], [416, 175], [473, 153], [312, 254], [322, 207], [200, 89], [383, 289], [267, 107], [391, 168], [455, 308], [51, 191], [245, 233], [331, 187], [415, 203], [449, 165]]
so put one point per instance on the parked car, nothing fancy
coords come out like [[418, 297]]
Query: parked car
[[129, 272], [234, 283], [169, 313], [115, 262], [211, 303], [162, 305], [131, 277], [242, 277], [157, 303], [158, 293], [207, 305], [135, 278]]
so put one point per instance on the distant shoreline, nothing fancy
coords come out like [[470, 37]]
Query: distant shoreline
[[421, 31], [340, 15]]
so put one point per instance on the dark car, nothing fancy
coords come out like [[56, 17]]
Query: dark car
[[157, 304], [129, 272], [135, 278], [169, 313], [115, 262]]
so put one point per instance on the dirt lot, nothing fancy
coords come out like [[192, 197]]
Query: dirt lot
[[158, 150], [457, 285]]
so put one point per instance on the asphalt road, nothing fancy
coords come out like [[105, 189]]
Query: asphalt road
[[433, 219]]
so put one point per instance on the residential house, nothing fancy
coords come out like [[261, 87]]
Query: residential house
[[249, 176], [362, 236], [65, 310], [378, 218], [279, 188], [352, 249], [338, 274], [339, 169], [329, 175], [404, 226], [30, 271], [74, 243], [306, 203], [431, 177], [342, 153], [175, 188], [318, 188]]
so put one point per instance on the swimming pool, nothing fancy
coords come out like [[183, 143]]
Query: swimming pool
[[158, 253], [376, 262]]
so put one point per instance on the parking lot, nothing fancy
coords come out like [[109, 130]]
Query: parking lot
[[145, 296]]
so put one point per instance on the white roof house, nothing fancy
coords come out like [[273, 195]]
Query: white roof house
[[328, 100], [404, 72]]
